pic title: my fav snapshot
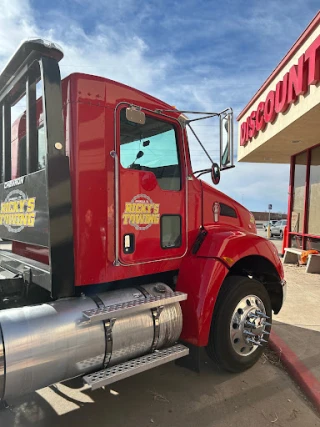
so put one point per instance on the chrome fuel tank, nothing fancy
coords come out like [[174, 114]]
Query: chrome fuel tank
[[48, 343]]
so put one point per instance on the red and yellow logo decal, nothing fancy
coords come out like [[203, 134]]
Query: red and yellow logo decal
[[17, 211], [141, 212]]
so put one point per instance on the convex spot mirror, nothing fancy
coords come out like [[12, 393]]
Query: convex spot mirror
[[215, 173], [135, 115]]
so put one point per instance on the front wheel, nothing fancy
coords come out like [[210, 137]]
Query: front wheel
[[240, 324]]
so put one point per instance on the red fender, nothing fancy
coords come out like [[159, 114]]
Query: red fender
[[202, 274]]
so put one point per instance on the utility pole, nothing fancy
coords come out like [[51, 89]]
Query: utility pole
[[268, 229]]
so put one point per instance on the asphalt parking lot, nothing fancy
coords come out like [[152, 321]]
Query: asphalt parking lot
[[275, 240], [172, 396]]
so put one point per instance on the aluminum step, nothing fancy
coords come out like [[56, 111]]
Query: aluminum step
[[135, 366], [130, 307]]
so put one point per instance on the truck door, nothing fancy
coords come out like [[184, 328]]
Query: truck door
[[152, 190]]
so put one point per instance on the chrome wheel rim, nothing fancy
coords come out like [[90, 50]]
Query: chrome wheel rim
[[248, 326]]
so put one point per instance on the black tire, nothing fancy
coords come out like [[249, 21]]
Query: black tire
[[271, 235], [281, 235], [220, 348]]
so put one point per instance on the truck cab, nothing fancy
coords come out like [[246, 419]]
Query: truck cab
[[109, 222]]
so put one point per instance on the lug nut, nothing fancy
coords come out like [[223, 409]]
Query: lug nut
[[263, 315], [250, 334], [267, 324], [250, 325], [253, 316], [254, 342]]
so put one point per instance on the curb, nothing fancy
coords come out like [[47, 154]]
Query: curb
[[297, 370]]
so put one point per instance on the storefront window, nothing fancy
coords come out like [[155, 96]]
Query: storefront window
[[314, 193], [296, 242], [313, 244], [297, 216]]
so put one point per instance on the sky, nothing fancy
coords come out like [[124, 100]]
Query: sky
[[196, 55]]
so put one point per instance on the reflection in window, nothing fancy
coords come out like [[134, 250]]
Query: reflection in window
[[151, 147], [314, 193], [170, 231], [299, 192], [296, 241], [42, 147], [313, 243]]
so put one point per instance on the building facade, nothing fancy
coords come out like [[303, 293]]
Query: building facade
[[281, 124]]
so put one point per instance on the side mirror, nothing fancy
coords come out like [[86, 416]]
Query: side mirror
[[226, 140], [215, 173], [135, 115]]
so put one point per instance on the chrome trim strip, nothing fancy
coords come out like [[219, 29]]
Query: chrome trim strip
[[117, 204]]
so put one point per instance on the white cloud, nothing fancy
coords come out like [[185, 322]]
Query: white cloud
[[209, 77]]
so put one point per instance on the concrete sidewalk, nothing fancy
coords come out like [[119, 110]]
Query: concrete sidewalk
[[296, 331]]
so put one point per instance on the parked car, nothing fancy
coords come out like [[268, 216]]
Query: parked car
[[277, 229], [272, 223]]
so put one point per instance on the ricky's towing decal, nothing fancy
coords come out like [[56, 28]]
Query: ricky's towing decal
[[141, 213], [17, 211], [24, 213]]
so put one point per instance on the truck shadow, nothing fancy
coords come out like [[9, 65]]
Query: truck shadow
[[169, 395]]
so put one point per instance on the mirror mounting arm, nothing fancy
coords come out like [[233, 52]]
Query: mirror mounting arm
[[202, 146]]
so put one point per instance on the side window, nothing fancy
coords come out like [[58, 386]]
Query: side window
[[41, 152], [170, 227], [151, 147]]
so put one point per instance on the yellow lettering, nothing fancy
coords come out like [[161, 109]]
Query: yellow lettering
[[128, 208], [24, 220], [138, 219], [134, 208], [141, 213], [31, 219], [132, 219], [125, 217], [31, 204]]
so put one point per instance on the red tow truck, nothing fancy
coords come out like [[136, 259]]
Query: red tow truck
[[122, 259]]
